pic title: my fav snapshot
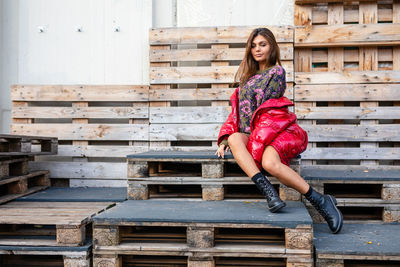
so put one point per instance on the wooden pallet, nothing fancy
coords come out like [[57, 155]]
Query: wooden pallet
[[47, 224], [202, 231], [156, 174], [347, 74], [17, 145], [13, 187], [182, 261], [17, 256], [362, 196], [191, 79], [97, 126], [357, 245]]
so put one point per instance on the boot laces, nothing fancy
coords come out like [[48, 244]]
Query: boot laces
[[317, 206], [268, 188]]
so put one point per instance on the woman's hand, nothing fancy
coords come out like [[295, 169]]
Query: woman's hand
[[221, 150]]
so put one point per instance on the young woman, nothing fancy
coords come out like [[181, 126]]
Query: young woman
[[262, 133]]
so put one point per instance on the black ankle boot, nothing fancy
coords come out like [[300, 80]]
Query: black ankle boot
[[326, 206], [268, 190]]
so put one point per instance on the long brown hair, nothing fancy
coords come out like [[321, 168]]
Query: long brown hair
[[248, 67]]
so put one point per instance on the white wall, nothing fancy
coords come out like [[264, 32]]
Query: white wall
[[98, 54], [234, 12]]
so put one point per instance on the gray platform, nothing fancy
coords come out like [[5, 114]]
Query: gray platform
[[350, 175], [154, 155], [237, 212], [78, 194], [354, 240]]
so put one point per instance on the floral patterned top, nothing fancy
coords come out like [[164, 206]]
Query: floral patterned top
[[266, 84]]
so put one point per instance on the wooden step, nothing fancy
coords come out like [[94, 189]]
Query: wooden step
[[34, 256], [47, 223], [16, 145], [12, 187], [157, 174], [205, 229], [357, 245]]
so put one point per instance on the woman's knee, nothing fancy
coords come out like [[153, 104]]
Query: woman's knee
[[271, 166], [234, 139]]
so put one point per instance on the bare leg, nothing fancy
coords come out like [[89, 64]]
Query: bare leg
[[271, 162], [237, 143]]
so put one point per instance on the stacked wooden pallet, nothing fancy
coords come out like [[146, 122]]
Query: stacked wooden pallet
[[200, 174], [205, 233], [41, 232], [97, 126], [15, 153], [347, 77]]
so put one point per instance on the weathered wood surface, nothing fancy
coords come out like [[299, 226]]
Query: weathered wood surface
[[212, 74], [213, 94], [104, 93], [347, 35], [348, 77], [316, 133], [93, 151], [167, 115], [65, 131], [213, 54], [197, 35], [381, 153], [81, 112], [348, 92], [19, 145], [359, 113], [86, 170]]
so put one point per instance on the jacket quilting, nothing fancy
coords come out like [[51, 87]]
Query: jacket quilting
[[271, 124]]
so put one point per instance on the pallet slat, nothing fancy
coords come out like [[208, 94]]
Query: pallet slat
[[347, 35]]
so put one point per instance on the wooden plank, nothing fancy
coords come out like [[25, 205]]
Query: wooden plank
[[108, 151], [80, 112], [158, 87], [348, 92], [199, 94], [84, 170], [65, 131], [352, 133], [348, 153], [316, 133], [363, 113], [208, 74], [352, 55], [368, 14], [303, 15], [182, 132], [212, 54], [107, 93], [189, 114], [347, 35], [347, 77], [354, 168], [218, 35]]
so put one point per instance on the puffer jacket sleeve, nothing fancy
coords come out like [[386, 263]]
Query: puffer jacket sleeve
[[267, 127], [227, 128]]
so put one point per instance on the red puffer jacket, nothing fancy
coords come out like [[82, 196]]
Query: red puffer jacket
[[272, 124]]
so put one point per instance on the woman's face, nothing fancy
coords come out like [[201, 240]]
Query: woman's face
[[260, 49]]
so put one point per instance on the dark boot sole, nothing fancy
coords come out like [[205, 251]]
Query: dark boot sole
[[277, 207], [334, 202]]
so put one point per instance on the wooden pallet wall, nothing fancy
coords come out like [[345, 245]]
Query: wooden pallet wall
[[191, 79], [347, 76], [96, 125]]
